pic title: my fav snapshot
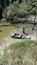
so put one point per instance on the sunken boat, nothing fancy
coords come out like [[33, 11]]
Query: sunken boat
[[20, 36]]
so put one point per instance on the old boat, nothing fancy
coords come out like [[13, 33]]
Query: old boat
[[21, 36]]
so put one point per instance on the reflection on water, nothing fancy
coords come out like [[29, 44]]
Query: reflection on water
[[5, 35]]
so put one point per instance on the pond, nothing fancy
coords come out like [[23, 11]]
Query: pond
[[6, 31]]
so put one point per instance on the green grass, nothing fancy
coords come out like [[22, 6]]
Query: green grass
[[23, 43], [23, 52]]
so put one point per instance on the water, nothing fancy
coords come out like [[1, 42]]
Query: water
[[6, 31]]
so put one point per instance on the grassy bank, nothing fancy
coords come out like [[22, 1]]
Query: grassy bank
[[21, 53]]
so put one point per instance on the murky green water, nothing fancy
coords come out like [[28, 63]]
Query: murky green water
[[5, 34]]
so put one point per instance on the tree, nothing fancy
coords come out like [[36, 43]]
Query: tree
[[21, 8]]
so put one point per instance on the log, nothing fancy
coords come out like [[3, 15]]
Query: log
[[5, 25]]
